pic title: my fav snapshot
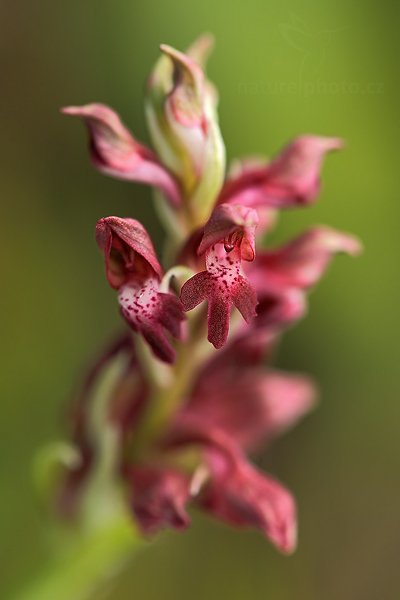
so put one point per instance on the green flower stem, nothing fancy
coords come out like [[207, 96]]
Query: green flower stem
[[171, 385], [87, 565], [91, 551]]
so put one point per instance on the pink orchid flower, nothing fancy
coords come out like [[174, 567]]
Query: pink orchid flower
[[228, 239], [133, 269]]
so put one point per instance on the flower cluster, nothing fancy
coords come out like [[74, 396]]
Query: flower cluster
[[185, 415]]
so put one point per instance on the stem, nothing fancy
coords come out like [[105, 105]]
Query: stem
[[86, 566], [168, 396], [103, 538]]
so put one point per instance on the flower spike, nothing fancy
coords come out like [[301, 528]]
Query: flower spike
[[166, 437]]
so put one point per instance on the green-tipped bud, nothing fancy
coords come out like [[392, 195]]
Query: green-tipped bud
[[181, 113]]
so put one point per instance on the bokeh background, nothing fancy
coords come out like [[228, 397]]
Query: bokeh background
[[282, 68]]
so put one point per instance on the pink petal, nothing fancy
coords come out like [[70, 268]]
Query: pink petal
[[244, 298], [292, 178], [277, 311], [256, 406], [301, 263], [159, 498], [196, 290], [115, 152], [236, 492], [287, 397], [219, 311], [298, 167], [171, 314], [245, 497]]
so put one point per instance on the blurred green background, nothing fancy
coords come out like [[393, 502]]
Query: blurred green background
[[282, 68]]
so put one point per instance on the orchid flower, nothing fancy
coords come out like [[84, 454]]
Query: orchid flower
[[228, 239], [132, 268]]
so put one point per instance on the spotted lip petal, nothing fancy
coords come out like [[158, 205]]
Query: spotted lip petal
[[223, 285], [152, 313], [114, 151], [133, 269], [290, 179]]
